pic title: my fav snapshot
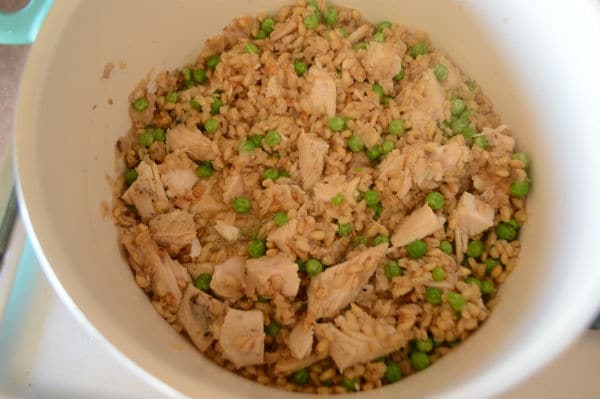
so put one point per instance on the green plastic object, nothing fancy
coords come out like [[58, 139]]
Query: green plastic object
[[22, 26]]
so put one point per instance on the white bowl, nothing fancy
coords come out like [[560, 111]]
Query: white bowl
[[538, 61]]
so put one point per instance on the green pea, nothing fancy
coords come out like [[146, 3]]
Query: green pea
[[146, 139], [459, 124], [440, 71], [172, 97], [380, 239], [256, 139], [195, 105], [250, 48], [425, 345], [376, 88], [311, 21], [215, 106], [378, 209], [473, 280], [141, 104], [257, 248], [344, 32], [355, 144], [438, 274], [469, 133], [344, 229], [331, 17], [313, 267], [379, 37], [513, 223], [446, 247], [241, 205], [338, 199], [349, 383], [455, 300], [130, 176], [399, 76], [371, 197], [202, 282], [272, 328], [280, 218], [392, 269], [159, 134], [383, 25], [261, 35], [360, 46], [506, 231], [433, 295], [519, 189], [457, 106], [199, 75], [301, 376], [416, 249], [272, 138], [419, 49], [284, 173], [212, 61], [375, 152], [187, 73], [336, 124], [300, 67], [487, 287], [387, 146], [435, 200], [392, 372], [524, 158], [205, 169], [419, 360], [475, 249], [268, 25], [211, 125], [396, 127], [270, 173], [490, 264], [480, 141]]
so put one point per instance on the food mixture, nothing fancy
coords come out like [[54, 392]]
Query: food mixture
[[320, 203]]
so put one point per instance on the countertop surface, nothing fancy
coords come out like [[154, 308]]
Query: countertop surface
[[46, 353]]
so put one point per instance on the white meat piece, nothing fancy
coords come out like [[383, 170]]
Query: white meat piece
[[311, 153], [147, 193], [322, 98], [300, 340], [473, 216], [334, 185], [269, 275], [283, 237], [243, 338], [177, 174], [201, 316], [337, 286], [383, 61], [191, 141], [450, 156], [227, 231], [166, 275], [501, 142], [356, 337], [420, 223], [207, 199], [233, 186], [173, 230], [430, 104], [228, 279]]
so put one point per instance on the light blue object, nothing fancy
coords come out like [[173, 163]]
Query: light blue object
[[21, 27]]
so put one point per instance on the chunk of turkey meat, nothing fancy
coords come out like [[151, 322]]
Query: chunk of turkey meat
[[147, 193]]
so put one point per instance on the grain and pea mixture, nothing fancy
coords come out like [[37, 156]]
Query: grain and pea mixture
[[320, 203]]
